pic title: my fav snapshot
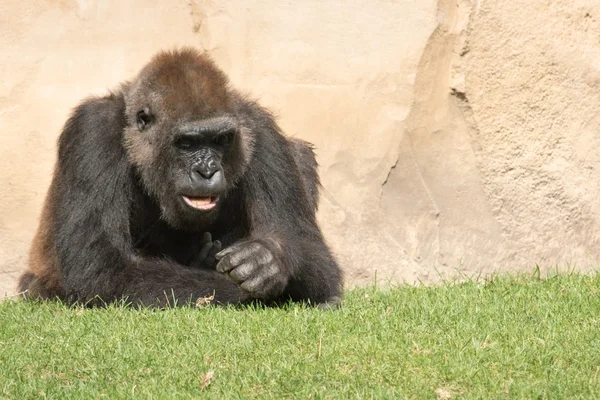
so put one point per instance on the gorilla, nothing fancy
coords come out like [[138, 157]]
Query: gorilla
[[175, 188]]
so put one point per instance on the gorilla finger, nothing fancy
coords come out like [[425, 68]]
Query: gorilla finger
[[265, 257], [238, 246], [245, 252], [206, 238], [269, 271], [216, 247], [253, 285], [242, 272], [224, 265], [226, 251], [204, 251]]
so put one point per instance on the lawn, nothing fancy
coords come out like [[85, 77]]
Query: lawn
[[507, 338]]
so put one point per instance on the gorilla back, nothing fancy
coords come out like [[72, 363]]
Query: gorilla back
[[176, 187]]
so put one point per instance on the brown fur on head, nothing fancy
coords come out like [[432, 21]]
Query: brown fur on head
[[178, 92], [181, 84]]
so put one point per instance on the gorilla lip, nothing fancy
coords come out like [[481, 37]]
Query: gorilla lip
[[204, 203]]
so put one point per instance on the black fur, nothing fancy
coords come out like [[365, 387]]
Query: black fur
[[110, 231]]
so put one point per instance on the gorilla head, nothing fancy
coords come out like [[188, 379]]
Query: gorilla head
[[184, 137]]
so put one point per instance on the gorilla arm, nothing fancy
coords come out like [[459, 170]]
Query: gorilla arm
[[91, 222], [285, 255]]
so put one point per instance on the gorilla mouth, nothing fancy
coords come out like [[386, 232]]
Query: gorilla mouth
[[201, 203]]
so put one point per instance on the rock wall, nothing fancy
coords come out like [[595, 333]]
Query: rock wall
[[455, 137]]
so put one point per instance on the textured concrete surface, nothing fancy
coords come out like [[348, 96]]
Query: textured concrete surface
[[455, 137]]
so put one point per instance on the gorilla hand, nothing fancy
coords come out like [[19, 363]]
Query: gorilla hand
[[254, 265], [206, 257]]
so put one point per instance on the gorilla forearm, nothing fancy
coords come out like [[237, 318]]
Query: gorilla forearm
[[316, 277], [285, 255], [102, 273], [160, 282]]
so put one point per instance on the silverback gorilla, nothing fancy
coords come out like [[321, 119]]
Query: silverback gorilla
[[175, 188]]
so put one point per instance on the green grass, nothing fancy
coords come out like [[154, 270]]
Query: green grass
[[507, 338]]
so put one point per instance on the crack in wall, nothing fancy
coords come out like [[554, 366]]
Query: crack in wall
[[390, 170]]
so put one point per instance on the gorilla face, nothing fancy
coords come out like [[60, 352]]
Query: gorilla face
[[200, 147], [197, 177], [186, 143]]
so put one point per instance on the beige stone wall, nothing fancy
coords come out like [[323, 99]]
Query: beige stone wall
[[454, 136]]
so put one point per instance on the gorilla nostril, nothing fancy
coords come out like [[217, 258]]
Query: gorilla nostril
[[206, 170], [207, 174]]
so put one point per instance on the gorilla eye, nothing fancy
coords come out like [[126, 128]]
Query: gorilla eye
[[144, 118], [224, 138], [185, 143]]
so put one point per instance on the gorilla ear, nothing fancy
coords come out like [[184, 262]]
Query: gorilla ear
[[144, 118]]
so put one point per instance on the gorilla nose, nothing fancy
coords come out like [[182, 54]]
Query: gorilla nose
[[206, 169]]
